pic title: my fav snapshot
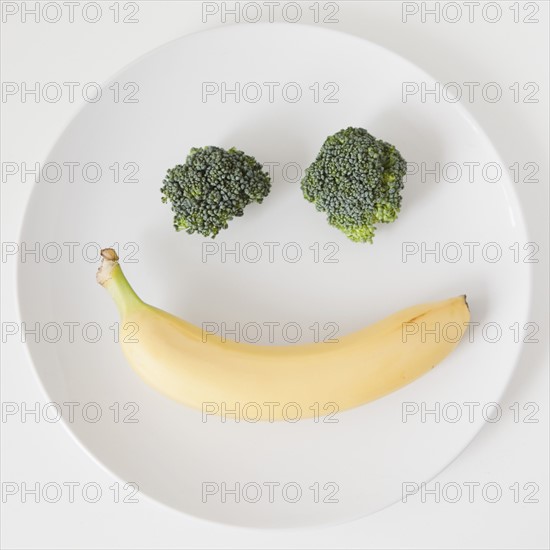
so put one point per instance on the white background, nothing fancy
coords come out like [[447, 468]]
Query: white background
[[505, 452]]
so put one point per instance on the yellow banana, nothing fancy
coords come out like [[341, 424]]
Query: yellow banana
[[273, 382]]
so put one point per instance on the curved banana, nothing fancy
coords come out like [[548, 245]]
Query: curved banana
[[216, 376]]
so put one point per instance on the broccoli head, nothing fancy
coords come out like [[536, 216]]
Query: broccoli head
[[213, 187], [357, 180]]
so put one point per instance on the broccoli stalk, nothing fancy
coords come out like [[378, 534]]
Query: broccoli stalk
[[357, 180], [213, 187]]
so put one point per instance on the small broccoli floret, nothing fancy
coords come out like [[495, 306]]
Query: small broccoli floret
[[213, 187], [357, 180]]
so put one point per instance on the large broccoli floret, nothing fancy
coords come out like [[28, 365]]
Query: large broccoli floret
[[356, 179], [213, 187]]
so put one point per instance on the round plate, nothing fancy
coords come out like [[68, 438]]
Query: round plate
[[296, 85]]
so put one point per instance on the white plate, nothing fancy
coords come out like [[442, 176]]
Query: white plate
[[370, 452]]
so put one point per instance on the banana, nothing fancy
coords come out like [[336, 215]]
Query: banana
[[172, 356]]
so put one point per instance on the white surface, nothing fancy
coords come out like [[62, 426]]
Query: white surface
[[504, 452], [389, 451]]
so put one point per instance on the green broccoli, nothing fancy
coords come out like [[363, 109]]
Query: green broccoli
[[356, 179], [213, 187]]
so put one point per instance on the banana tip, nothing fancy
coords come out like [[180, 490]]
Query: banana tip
[[109, 254], [108, 262]]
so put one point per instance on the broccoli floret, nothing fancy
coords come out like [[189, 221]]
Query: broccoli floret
[[213, 187], [356, 179]]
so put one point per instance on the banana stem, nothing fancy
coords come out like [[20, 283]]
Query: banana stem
[[111, 277]]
